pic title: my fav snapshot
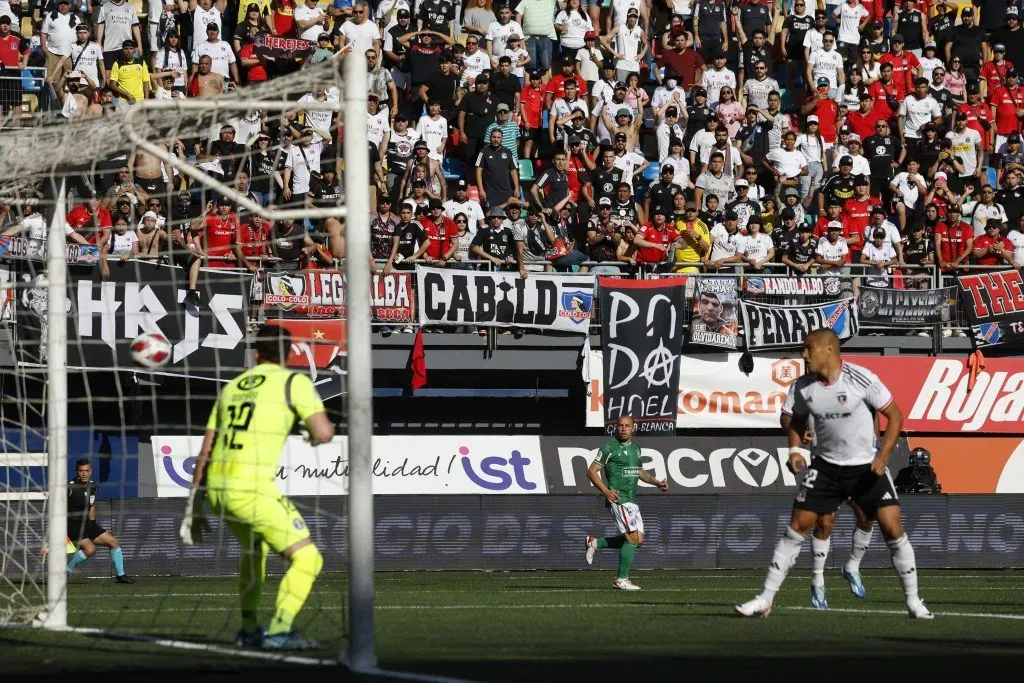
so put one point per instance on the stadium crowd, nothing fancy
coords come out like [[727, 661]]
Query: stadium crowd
[[629, 135]]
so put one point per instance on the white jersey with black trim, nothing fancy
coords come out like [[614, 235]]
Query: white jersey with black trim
[[843, 413]]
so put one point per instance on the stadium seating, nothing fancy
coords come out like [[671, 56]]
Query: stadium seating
[[526, 174]]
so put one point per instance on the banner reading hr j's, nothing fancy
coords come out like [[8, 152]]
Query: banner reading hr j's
[[641, 336], [994, 303]]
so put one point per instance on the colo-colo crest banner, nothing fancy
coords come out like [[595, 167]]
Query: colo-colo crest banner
[[770, 326], [105, 315], [994, 303], [641, 337], [905, 306], [465, 297]]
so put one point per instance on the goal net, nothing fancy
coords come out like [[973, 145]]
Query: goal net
[[200, 219]]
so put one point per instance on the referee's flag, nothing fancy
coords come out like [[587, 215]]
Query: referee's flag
[[418, 362]]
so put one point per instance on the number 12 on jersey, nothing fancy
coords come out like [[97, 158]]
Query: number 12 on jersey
[[239, 417]]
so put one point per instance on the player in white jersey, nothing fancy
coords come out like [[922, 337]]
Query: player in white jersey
[[840, 398]]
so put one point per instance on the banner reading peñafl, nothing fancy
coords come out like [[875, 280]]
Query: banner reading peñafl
[[770, 326], [641, 336]]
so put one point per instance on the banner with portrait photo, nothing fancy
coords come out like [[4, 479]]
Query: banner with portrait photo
[[641, 339], [504, 299], [994, 304], [715, 313], [768, 326], [910, 307]]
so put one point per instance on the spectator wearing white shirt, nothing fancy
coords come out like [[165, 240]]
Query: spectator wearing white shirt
[[918, 109], [979, 213], [219, 51], [461, 203], [830, 254], [728, 244], [1016, 238], [669, 128], [853, 17], [758, 248], [854, 149], [56, 37], [86, 56], [880, 255], [716, 78], [908, 186], [499, 31], [787, 163], [358, 34], [310, 20], [827, 65]]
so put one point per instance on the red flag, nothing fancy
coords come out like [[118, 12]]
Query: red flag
[[418, 362]]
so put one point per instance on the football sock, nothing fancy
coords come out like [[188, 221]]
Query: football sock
[[820, 549], [786, 551], [78, 558], [861, 541], [611, 542], [295, 586], [250, 585], [906, 566], [626, 554], [117, 557]]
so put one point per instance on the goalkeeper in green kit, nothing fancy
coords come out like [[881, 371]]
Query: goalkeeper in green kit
[[620, 461]]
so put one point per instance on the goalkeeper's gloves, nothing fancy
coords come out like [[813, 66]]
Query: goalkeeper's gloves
[[194, 525]]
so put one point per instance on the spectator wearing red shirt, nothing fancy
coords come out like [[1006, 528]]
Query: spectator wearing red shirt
[[685, 62], [578, 172], [1007, 100], [905, 66], [827, 111], [250, 244], [992, 249], [858, 207], [886, 94], [862, 121], [954, 240], [556, 86], [14, 56], [994, 72], [284, 17], [654, 241], [834, 212], [218, 233], [531, 106], [441, 231], [253, 70], [90, 213]]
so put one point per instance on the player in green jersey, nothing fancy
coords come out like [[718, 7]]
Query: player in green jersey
[[236, 470], [620, 462]]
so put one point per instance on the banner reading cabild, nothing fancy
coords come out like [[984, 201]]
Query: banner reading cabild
[[641, 335], [548, 302], [770, 326], [905, 306]]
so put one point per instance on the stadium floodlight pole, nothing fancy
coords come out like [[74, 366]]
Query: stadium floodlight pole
[[56, 418], [205, 106], [360, 655]]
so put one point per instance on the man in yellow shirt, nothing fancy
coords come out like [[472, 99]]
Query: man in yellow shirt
[[129, 75], [697, 238], [236, 470]]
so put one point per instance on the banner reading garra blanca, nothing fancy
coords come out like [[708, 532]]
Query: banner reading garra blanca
[[460, 297]]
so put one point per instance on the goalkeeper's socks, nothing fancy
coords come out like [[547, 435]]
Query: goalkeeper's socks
[[820, 549], [78, 558], [611, 542], [786, 551], [117, 557], [861, 541], [626, 554], [906, 566], [295, 586]]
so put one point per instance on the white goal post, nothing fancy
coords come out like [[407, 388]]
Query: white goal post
[[360, 654]]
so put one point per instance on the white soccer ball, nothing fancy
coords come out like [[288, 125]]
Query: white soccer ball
[[151, 350]]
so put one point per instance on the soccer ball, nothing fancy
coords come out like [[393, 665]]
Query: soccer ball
[[151, 350]]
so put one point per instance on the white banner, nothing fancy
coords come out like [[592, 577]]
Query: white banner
[[714, 393], [467, 297], [401, 465]]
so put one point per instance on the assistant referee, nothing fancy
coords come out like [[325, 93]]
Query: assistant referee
[[245, 434]]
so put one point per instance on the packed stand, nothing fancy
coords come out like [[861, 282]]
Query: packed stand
[[856, 138]]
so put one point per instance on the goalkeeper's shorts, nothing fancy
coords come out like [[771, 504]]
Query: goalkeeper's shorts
[[257, 515]]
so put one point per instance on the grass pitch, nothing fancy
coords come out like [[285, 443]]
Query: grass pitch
[[500, 626]]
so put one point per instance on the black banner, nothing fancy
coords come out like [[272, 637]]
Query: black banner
[[269, 45], [642, 335], [547, 532], [905, 306], [771, 326], [104, 316], [994, 304]]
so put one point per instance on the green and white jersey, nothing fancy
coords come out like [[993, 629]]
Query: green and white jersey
[[622, 465]]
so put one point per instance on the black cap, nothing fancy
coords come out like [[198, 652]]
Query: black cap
[[224, 200], [861, 179], [381, 198], [435, 204], [461, 185], [788, 214], [5, 19], [403, 13], [129, 43], [846, 160], [731, 215]]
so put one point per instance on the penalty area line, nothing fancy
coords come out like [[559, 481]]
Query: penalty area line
[[853, 610], [200, 647]]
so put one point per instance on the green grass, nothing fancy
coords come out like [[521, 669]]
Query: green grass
[[507, 626]]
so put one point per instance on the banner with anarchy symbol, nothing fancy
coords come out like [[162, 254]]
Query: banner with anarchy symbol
[[641, 336]]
